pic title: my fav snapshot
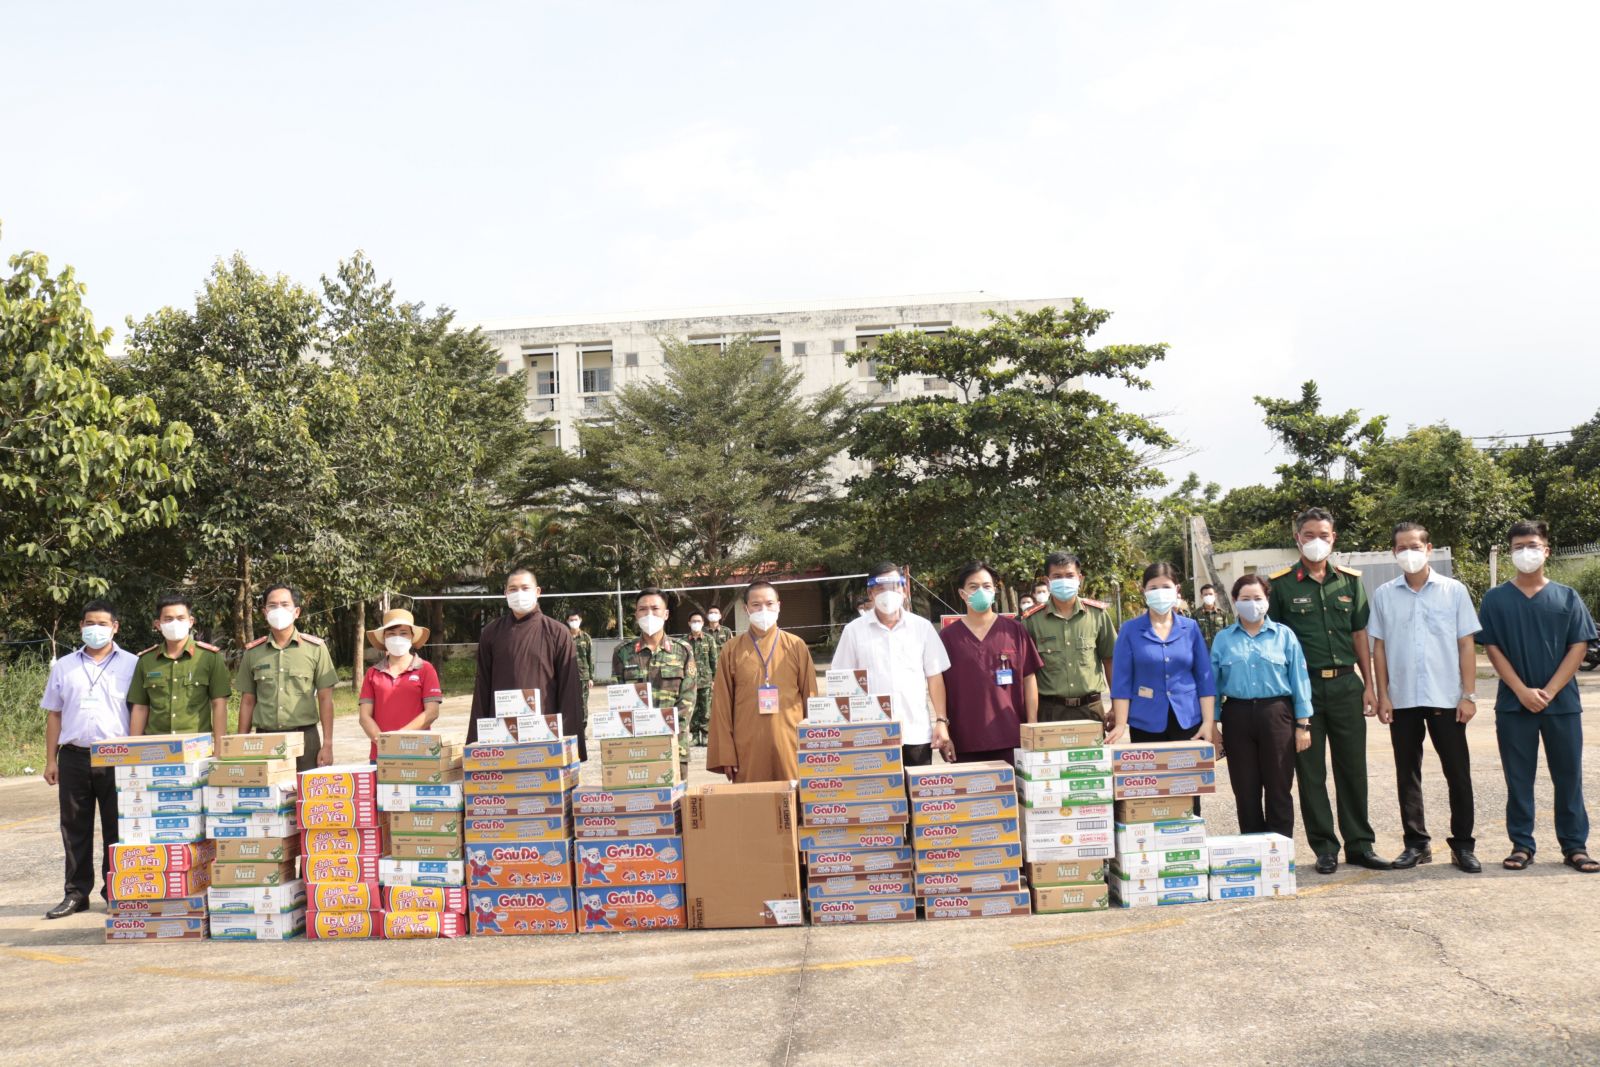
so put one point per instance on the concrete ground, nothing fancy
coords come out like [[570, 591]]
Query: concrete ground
[[1424, 966]]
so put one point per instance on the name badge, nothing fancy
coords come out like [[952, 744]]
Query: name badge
[[1146, 691], [767, 700], [1003, 676]]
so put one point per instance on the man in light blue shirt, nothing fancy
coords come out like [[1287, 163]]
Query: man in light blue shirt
[[1427, 673]]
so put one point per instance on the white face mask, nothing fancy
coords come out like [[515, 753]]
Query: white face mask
[[1209, 600], [1161, 599], [522, 601], [397, 645], [1316, 550], [280, 618], [575, 624], [650, 625], [96, 637], [1411, 560], [889, 601], [1528, 559], [176, 629], [764, 620], [713, 618], [696, 627]]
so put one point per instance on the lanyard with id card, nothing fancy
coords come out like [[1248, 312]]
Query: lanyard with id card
[[767, 694], [1003, 674], [95, 704]]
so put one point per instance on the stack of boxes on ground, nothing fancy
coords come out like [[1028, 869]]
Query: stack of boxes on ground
[[857, 859], [256, 892], [967, 835], [1065, 787], [518, 826], [1251, 866], [628, 862], [1162, 855], [341, 843], [161, 866]]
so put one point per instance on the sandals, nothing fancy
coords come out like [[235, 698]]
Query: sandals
[[1517, 861], [1581, 862]]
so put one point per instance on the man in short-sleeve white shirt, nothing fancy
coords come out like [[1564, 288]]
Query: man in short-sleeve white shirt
[[1426, 670], [903, 656]]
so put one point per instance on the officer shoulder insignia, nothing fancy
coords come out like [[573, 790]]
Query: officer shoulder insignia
[[260, 640], [1101, 604], [1279, 574], [1031, 612], [1351, 571], [147, 651], [310, 640], [207, 646]]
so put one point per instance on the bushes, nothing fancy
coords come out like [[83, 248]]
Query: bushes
[[21, 720], [1584, 576]]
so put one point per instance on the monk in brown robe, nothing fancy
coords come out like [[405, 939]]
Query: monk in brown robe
[[764, 677]]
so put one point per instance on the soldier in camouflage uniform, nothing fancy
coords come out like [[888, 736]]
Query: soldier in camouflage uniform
[[585, 652], [705, 659], [667, 663], [1212, 619]]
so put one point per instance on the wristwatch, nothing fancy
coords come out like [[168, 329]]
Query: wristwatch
[[1302, 724], [1471, 697]]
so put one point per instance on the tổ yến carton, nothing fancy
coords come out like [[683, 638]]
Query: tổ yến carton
[[424, 847], [816, 788], [827, 862], [343, 896], [552, 780], [150, 749], [958, 860], [159, 885], [960, 780], [421, 872], [343, 925], [414, 744], [337, 811], [1154, 809], [1060, 899], [1164, 756], [1251, 851], [148, 803], [277, 898], [526, 806], [655, 749], [164, 907], [654, 824], [358, 841], [587, 801], [855, 812], [244, 799], [269, 849], [339, 867], [161, 857], [532, 828], [1061, 763], [248, 874], [279, 746], [949, 883], [256, 824], [1065, 792], [146, 928], [959, 809], [653, 907], [162, 830], [251, 773], [442, 796], [412, 924], [977, 905], [515, 912], [834, 911], [827, 736], [397, 770], [742, 861], [348, 781], [1078, 733], [277, 926], [161, 776], [842, 761], [1188, 832], [1066, 872], [519, 865], [424, 898], [1164, 783], [424, 822], [860, 886], [637, 861], [654, 775], [965, 834], [1162, 863]]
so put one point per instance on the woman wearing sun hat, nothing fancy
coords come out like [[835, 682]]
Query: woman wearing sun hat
[[401, 691]]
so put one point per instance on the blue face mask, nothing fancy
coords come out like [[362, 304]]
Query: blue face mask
[[980, 600], [1160, 601], [96, 636], [1064, 589], [1250, 610]]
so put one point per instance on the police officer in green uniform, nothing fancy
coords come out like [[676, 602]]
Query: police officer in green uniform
[[285, 680], [584, 646], [667, 663], [1212, 619], [705, 665], [180, 685], [1326, 607], [1075, 638]]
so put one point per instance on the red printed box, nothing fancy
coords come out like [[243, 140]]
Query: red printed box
[[977, 905], [424, 898], [516, 805], [627, 801], [360, 841], [541, 828], [658, 907], [511, 913], [636, 861], [339, 867], [162, 857], [320, 813], [354, 781], [343, 896], [529, 865], [158, 884], [829, 862]]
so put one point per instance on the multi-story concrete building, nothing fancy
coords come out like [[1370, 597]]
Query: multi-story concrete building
[[574, 362]]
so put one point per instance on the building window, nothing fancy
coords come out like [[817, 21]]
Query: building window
[[594, 363], [552, 437], [799, 348], [838, 346], [934, 384], [502, 368], [546, 378], [769, 364], [867, 368], [546, 383], [593, 404], [630, 359]]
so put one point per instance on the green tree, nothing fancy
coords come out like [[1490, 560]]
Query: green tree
[[1030, 457], [1565, 481], [82, 467]]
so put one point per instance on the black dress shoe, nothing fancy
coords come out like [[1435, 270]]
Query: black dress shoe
[[1411, 857], [1327, 864], [1465, 861], [70, 904], [1370, 860]]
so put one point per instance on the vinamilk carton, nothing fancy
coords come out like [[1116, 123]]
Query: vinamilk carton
[[1041, 854], [150, 749], [1146, 895], [162, 830], [1061, 763], [244, 799], [1058, 899], [965, 834], [444, 796], [1039, 834], [272, 926], [1164, 863], [1251, 885], [1251, 852], [278, 898], [160, 776], [829, 862], [657, 907], [1044, 736], [1187, 832], [960, 780], [833, 911], [637, 861], [512, 912], [850, 761], [977, 905], [149, 803], [1065, 792], [421, 872], [526, 865], [256, 824]]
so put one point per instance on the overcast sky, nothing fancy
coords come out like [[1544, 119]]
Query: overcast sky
[[1398, 200]]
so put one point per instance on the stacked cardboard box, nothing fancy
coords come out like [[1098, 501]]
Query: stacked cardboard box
[[1251, 866], [337, 813], [518, 831], [741, 856], [256, 890], [1064, 786], [1162, 855], [966, 832]]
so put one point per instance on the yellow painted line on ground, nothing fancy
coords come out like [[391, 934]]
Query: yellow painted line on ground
[[217, 976], [796, 968], [42, 957], [1341, 883], [1100, 935], [498, 983], [25, 822]]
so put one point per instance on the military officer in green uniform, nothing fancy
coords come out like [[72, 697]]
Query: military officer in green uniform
[[1326, 607], [180, 685], [1212, 619], [705, 665], [667, 663], [583, 644], [1075, 638], [285, 680]]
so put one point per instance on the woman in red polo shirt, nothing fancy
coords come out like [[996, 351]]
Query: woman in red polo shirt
[[401, 692]]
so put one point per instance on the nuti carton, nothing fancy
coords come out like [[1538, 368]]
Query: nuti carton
[[252, 772], [1165, 783], [525, 805], [960, 780], [977, 905], [424, 898], [414, 744], [1044, 736], [248, 874], [834, 736], [626, 801], [355, 897], [161, 857], [148, 803], [270, 849], [446, 796], [742, 857], [417, 924], [424, 847], [1149, 894], [860, 886], [944, 860], [525, 865], [150, 749], [638, 749], [131, 928], [155, 884], [1154, 809], [1164, 756], [425, 822], [881, 835], [639, 861], [256, 824], [654, 824], [826, 862], [1251, 852], [653, 775], [943, 884], [339, 867], [542, 828], [272, 926], [343, 925], [511, 912], [1251, 885], [192, 907], [282, 746], [1039, 834], [645, 907], [828, 786], [360, 841], [964, 808], [925, 835], [162, 830], [157, 776], [1061, 763], [1065, 792], [1187, 832], [855, 812], [1163, 863], [886, 759], [279, 898], [1066, 872], [555, 780], [520, 756], [886, 909], [1059, 899], [243, 799], [421, 872], [399, 770]]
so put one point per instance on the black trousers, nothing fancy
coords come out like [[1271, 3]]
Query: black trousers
[[1259, 738], [1450, 742], [917, 755], [1055, 709], [81, 789]]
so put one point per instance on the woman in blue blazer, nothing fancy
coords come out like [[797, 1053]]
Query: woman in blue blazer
[[1162, 688]]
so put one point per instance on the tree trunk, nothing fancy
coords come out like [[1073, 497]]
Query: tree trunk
[[359, 666], [241, 601]]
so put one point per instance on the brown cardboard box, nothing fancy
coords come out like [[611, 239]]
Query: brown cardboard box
[[1044, 736], [652, 775], [423, 847], [251, 874], [251, 849], [638, 749], [1066, 872], [741, 855], [252, 772], [415, 744], [1154, 809], [1056, 899], [261, 746], [405, 770], [423, 822]]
